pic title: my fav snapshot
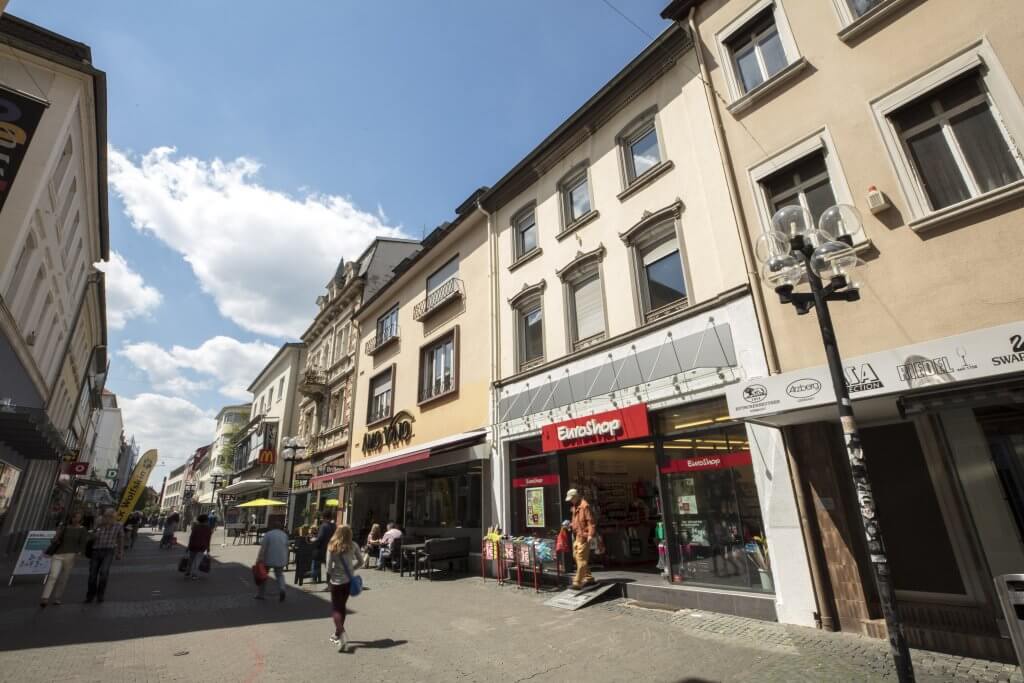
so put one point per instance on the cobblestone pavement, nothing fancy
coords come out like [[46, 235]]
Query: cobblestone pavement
[[155, 626]]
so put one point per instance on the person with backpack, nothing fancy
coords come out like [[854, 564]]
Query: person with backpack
[[198, 546], [343, 558]]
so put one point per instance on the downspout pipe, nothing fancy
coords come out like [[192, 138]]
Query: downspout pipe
[[498, 498], [811, 532]]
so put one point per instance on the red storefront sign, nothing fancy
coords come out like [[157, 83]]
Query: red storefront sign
[[609, 427], [543, 480], [267, 456], [713, 461], [76, 468]]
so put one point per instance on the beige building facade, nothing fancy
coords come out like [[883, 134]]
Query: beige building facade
[[622, 313], [419, 455], [53, 228], [911, 112]]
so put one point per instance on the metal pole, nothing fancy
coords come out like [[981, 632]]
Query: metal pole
[[862, 484]]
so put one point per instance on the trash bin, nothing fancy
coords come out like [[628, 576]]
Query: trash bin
[[1010, 590]]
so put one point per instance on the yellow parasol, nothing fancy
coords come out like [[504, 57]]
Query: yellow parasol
[[260, 503], [331, 503]]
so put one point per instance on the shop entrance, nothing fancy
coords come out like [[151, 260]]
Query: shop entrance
[[373, 503]]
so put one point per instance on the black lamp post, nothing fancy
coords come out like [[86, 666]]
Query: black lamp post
[[795, 251], [292, 446]]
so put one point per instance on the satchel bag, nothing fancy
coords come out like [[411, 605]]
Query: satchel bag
[[259, 573], [183, 564], [89, 545], [204, 564], [55, 542], [355, 583]]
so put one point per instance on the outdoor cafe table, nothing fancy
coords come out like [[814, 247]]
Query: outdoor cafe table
[[412, 549]]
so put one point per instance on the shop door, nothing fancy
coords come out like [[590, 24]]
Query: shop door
[[987, 445]]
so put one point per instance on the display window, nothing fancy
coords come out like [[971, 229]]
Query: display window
[[444, 497], [536, 491], [714, 510]]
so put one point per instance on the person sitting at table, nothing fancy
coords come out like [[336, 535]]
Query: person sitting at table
[[373, 541], [387, 544]]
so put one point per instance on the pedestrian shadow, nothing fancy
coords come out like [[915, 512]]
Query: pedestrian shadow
[[381, 644]]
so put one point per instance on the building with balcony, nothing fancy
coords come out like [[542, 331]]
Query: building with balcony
[[911, 112], [419, 452], [257, 470], [326, 385], [53, 213]]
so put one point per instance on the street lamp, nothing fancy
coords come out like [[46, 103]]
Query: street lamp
[[292, 445], [797, 250]]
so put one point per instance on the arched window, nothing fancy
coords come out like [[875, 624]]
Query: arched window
[[659, 263]]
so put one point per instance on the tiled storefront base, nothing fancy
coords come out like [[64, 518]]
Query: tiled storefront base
[[749, 605]]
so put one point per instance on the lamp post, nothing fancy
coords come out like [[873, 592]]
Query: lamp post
[[292, 445], [794, 251]]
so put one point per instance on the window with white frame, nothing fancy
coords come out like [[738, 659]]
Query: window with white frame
[[585, 303], [757, 51], [387, 325], [575, 191], [437, 367], [439, 277], [524, 228], [529, 317], [341, 343], [640, 149], [381, 396], [270, 397], [804, 183], [956, 142], [280, 389], [659, 263]]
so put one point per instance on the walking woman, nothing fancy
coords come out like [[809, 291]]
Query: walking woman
[[70, 545], [343, 558]]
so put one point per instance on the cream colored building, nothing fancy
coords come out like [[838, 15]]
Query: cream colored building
[[622, 312], [418, 454], [53, 228], [911, 112]]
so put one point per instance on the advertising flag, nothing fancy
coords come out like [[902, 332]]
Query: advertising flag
[[136, 484]]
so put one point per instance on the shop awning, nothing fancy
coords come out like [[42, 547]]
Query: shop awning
[[30, 432], [245, 486], [412, 454]]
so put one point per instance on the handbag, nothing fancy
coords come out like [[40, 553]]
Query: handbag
[[183, 563], [355, 583], [89, 545], [259, 573], [51, 549], [204, 564]]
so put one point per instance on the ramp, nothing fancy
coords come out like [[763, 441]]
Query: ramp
[[573, 599]]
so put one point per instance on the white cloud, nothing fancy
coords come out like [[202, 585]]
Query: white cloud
[[224, 362], [173, 426], [263, 255], [128, 295]]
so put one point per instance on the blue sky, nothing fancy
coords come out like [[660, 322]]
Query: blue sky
[[293, 133]]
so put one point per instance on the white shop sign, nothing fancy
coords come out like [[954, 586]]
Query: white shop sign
[[991, 352]]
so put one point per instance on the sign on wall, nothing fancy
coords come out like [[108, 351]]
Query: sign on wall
[[19, 118], [535, 507], [612, 426], [396, 432], [973, 355]]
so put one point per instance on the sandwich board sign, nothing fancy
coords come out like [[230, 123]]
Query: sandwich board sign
[[32, 560]]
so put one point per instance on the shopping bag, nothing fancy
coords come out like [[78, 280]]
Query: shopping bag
[[259, 573], [183, 564], [204, 564]]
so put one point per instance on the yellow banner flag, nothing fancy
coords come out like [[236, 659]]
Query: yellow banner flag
[[136, 484]]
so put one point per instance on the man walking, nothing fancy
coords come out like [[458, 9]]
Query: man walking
[[274, 554], [108, 544], [198, 546], [323, 537], [583, 528]]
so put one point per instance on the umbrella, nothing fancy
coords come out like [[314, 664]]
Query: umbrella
[[260, 503], [331, 503]]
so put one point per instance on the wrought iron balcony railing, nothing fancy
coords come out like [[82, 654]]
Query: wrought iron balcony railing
[[381, 339], [439, 386], [449, 291]]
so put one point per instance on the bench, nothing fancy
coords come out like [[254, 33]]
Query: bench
[[440, 550]]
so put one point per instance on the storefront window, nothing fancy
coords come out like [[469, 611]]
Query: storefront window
[[444, 497], [714, 512], [536, 492]]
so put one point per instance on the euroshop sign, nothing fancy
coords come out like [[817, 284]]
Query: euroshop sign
[[981, 354], [19, 118], [613, 426]]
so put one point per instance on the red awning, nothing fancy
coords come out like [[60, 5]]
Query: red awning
[[385, 464], [324, 480]]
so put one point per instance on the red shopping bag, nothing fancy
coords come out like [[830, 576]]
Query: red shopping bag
[[259, 573]]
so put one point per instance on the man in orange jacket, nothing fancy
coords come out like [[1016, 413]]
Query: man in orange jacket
[[584, 528]]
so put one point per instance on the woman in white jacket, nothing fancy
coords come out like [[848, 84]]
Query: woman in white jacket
[[343, 558]]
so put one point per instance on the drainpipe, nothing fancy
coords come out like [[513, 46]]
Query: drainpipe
[[825, 617], [498, 502]]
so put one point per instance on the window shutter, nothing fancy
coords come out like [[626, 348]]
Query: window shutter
[[589, 308]]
